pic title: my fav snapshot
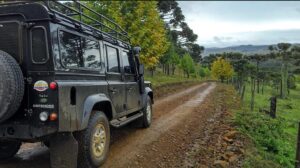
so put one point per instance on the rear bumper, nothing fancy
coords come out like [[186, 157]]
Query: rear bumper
[[25, 132]]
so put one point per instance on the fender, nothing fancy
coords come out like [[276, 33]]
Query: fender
[[89, 103], [148, 91]]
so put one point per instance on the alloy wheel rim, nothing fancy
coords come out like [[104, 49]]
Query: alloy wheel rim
[[99, 140], [148, 111]]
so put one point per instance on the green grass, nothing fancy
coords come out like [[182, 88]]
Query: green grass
[[288, 116], [160, 78]]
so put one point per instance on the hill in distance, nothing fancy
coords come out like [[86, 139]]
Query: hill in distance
[[245, 49]]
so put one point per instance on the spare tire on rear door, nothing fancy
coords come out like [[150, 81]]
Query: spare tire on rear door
[[11, 86]]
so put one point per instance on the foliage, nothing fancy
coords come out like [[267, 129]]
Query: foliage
[[286, 52], [268, 135], [222, 69], [288, 118], [204, 72], [142, 22], [160, 78], [181, 35], [187, 65]]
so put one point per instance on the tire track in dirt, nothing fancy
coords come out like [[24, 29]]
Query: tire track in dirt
[[128, 141], [128, 149]]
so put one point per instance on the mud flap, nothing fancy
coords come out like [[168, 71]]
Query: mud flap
[[63, 151]]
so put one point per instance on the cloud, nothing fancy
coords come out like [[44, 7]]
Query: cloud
[[223, 23], [222, 39]]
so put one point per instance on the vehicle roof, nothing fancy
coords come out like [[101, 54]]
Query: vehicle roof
[[32, 11]]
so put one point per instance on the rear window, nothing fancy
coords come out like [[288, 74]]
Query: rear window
[[10, 38], [79, 52], [39, 47]]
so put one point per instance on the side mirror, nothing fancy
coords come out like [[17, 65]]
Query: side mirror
[[141, 69], [136, 51]]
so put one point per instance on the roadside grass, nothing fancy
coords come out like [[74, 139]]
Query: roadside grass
[[159, 78], [274, 139]]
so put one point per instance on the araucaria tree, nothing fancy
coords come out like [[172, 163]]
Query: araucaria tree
[[222, 69]]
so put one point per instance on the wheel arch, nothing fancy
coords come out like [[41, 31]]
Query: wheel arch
[[149, 92], [97, 102]]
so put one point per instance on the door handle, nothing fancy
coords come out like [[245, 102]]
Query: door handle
[[129, 89], [113, 90]]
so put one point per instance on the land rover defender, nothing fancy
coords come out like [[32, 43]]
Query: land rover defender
[[65, 78]]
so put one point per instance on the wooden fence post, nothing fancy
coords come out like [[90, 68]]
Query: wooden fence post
[[273, 104], [297, 164]]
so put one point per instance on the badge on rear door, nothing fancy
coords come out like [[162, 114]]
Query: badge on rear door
[[40, 86]]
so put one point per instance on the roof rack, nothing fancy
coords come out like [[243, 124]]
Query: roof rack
[[76, 11]]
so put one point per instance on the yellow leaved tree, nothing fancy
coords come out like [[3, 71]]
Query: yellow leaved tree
[[142, 22], [221, 69]]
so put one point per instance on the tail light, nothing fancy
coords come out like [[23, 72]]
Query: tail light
[[53, 85]]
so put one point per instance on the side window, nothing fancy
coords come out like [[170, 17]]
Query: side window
[[79, 52], [39, 50], [91, 55], [70, 51], [112, 59], [126, 63]]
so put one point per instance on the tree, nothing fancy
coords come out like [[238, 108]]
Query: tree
[[257, 58], [195, 51], [222, 69], [182, 36], [187, 65], [284, 50], [203, 72], [241, 70], [139, 19]]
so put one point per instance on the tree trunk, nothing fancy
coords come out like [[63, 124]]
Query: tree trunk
[[284, 79], [252, 94], [173, 69], [152, 72], [262, 88], [243, 93], [257, 78], [258, 87]]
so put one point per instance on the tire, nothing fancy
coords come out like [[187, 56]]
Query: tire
[[146, 120], [11, 86], [8, 149], [88, 155]]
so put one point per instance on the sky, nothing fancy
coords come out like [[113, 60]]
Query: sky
[[225, 23]]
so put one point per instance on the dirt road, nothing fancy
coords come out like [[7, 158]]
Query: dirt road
[[175, 119]]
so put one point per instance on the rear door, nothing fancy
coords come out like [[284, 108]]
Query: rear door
[[116, 85], [132, 87]]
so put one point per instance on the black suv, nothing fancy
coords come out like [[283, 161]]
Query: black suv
[[65, 78]]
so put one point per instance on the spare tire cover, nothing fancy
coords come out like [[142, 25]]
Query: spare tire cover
[[11, 86]]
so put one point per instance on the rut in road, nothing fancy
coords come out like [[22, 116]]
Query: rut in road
[[129, 141], [168, 112]]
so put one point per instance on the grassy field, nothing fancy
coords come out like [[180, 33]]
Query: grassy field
[[275, 139], [160, 78]]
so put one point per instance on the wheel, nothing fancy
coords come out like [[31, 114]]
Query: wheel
[[147, 114], [11, 86], [93, 143], [8, 149]]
